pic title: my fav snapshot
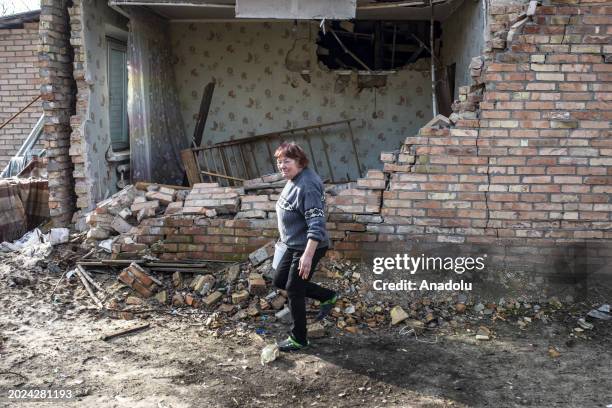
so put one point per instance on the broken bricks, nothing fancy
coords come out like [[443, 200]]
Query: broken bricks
[[260, 255], [257, 285], [232, 273], [213, 298], [240, 296], [203, 284], [137, 278], [315, 330]]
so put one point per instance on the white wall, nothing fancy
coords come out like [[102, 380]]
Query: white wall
[[463, 39]]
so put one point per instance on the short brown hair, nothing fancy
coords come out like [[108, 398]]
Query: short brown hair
[[292, 150]]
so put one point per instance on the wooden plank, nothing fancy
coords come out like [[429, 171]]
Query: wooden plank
[[226, 166], [191, 167], [210, 173], [142, 185], [203, 114], [244, 163]]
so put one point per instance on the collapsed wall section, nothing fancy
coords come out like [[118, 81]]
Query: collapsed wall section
[[526, 181]]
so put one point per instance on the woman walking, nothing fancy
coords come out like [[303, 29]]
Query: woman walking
[[303, 241]]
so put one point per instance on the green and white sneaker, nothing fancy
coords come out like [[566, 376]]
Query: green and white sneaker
[[326, 307], [291, 344]]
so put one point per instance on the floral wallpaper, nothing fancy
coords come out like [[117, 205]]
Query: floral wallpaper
[[268, 79]]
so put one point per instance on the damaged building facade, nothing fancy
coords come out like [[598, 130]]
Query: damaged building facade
[[522, 170]]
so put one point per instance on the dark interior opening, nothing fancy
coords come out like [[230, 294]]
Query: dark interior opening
[[381, 45]]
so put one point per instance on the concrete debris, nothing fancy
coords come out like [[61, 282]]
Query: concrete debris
[[98, 233], [278, 302], [162, 297], [262, 254], [120, 225], [203, 284], [213, 298], [232, 273], [398, 315], [240, 296], [59, 236], [315, 330], [257, 285]]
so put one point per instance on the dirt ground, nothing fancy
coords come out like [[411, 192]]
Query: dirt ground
[[179, 362]]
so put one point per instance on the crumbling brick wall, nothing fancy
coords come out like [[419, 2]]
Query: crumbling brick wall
[[524, 177], [18, 86], [57, 91]]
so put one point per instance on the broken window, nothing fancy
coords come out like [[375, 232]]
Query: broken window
[[374, 45]]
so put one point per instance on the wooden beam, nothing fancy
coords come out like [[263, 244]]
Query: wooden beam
[[210, 173], [203, 114], [191, 167]]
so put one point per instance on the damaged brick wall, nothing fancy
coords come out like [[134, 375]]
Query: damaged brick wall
[[57, 90], [90, 139], [78, 153], [528, 179], [18, 86]]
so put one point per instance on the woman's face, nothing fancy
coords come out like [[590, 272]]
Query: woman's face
[[289, 168]]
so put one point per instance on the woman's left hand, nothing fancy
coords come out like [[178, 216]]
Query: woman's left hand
[[305, 265]]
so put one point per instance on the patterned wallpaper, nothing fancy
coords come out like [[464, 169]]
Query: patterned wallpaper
[[259, 88]]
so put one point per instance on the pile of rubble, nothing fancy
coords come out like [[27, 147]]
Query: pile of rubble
[[238, 292], [243, 292], [115, 220]]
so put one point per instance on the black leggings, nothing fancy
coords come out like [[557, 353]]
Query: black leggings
[[287, 277]]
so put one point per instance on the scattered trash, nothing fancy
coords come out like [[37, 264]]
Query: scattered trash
[[29, 239], [284, 315], [407, 330], [59, 236], [269, 354], [584, 324], [601, 313], [107, 245]]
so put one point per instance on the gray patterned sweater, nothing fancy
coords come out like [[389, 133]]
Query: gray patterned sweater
[[300, 211]]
